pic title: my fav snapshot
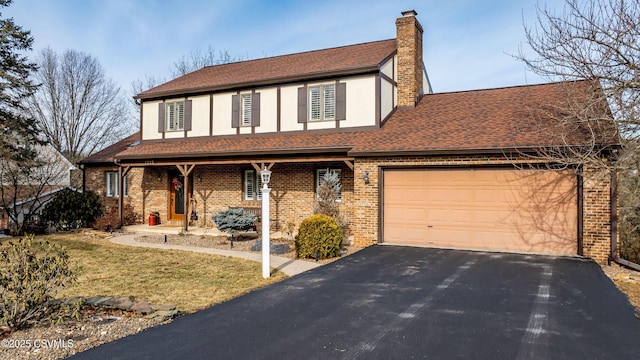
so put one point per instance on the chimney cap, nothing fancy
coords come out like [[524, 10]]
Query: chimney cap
[[409, 13]]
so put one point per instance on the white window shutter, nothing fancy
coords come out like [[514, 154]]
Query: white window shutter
[[329, 101], [249, 185], [259, 186], [314, 103], [171, 113], [180, 115], [246, 110]]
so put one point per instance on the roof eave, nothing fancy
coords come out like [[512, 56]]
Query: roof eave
[[287, 151]]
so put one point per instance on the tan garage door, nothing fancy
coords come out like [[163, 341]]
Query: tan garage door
[[511, 210]]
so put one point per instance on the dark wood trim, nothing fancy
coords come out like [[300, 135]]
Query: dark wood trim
[[253, 128], [336, 103], [278, 109], [387, 78], [380, 204], [378, 105], [272, 133], [349, 164], [164, 102], [141, 118], [184, 128], [121, 194], [210, 114], [580, 205], [303, 159], [393, 111]]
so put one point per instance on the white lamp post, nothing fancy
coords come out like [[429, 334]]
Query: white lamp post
[[266, 247]]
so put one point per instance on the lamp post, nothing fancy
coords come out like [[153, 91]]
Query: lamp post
[[266, 247]]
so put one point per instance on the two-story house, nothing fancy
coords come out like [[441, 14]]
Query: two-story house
[[416, 167]]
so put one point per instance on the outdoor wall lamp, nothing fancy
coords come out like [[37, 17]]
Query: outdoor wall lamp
[[266, 176], [199, 177], [366, 177]]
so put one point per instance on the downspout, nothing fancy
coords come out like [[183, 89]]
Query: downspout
[[614, 226]]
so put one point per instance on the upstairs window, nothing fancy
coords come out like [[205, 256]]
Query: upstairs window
[[322, 102], [246, 109], [111, 181], [175, 115], [252, 185]]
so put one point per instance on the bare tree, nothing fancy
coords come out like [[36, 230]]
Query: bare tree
[[77, 107], [198, 59], [27, 184], [598, 40]]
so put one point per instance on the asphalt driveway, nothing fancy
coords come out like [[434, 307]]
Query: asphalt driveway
[[388, 302]]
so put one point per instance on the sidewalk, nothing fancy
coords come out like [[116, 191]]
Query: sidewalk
[[288, 266]]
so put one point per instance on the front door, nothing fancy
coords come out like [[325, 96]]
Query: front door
[[176, 196]]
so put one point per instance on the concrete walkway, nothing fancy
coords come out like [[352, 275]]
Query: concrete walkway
[[288, 266]]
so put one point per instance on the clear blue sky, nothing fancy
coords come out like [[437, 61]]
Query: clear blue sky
[[466, 42]]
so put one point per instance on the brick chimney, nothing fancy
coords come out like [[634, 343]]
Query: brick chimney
[[409, 38]]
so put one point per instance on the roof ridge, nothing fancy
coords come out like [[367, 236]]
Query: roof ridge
[[290, 54], [509, 87]]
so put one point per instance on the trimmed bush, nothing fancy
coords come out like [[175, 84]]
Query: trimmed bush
[[31, 273], [319, 235], [71, 209], [234, 220]]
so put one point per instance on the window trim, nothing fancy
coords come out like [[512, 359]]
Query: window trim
[[323, 102], [256, 185], [114, 192], [173, 124], [319, 176]]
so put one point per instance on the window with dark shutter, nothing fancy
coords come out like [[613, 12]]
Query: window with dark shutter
[[174, 114], [302, 105], [235, 111], [187, 115], [322, 102], [255, 109], [341, 101], [161, 118]]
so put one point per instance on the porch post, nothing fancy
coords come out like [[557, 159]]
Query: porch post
[[120, 195], [121, 174], [186, 170]]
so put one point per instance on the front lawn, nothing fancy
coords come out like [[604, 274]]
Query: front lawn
[[191, 281]]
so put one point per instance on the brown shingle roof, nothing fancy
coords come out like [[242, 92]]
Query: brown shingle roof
[[505, 118], [351, 59], [470, 121], [106, 155]]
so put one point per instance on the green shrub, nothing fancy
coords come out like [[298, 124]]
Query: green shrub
[[233, 220], [71, 209], [31, 273], [319, 234]]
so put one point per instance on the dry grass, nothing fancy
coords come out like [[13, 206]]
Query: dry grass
[[191, 281]]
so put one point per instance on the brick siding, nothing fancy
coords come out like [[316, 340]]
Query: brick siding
[[596, 238]]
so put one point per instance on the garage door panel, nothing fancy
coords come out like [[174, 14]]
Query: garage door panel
[[517, 210]]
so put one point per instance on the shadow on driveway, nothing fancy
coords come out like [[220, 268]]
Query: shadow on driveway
[[387, 302]]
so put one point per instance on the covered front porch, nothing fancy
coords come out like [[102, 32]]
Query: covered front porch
[[187, 193]]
